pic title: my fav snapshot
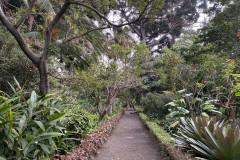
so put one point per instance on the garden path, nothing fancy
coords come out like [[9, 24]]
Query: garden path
[[130, 140]]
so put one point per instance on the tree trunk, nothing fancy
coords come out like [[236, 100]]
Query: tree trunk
[[114, 104], [44, 86], [101, 116], [109, 106], [30, 23], [233, 117], [110, 109]]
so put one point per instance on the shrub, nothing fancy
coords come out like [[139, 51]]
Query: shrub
[[166, 142], [80, 121], [154, 105], [161, 134], [29, 127], [143, 117], [210, 139], [138, 109]]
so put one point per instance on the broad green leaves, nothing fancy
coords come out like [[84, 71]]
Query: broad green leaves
[[31, 127]]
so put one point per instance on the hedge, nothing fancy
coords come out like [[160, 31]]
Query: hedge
[[165, 140]]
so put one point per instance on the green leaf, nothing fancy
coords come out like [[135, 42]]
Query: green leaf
[[237, 94], [5, 108], [40, 124], [30, 138], [22, 122], [44, 147], [3, 99], [68, 133], [56, 116], [171, 104], [34, 34], [24, 142], [11, 122], [36, 152], [32, 103], [46, 136], [17, 83], [12, 87], [75, 15]]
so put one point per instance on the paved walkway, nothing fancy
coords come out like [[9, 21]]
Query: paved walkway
[[130, 141]]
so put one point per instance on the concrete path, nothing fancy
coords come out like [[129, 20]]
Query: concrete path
[[130, 141]]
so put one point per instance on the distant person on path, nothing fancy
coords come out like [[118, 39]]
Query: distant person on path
[[131, 105]]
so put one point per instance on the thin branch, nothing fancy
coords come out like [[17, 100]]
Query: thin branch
[[105, 18], [134, 29], [63, 78], [25, 15], [76, 37]]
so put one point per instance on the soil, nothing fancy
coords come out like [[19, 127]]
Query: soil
[[131, 140]]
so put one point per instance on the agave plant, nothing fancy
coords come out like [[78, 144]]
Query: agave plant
[[210, 139]]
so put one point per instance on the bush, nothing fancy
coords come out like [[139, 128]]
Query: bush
[[210, 139], [166, 142], [29, 128], [161, 134], [138, 109], [154, 105], [80, 121]]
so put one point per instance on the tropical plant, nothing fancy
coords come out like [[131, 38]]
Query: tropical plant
[[210, 139], [177, 108], [29, 127]]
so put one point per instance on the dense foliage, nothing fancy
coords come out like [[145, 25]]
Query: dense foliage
[[78, 66], [30, 128]]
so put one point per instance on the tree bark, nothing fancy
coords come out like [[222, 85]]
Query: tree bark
[[44, 86], [233, 117], [114, 104], [101, 116], [30, 23]]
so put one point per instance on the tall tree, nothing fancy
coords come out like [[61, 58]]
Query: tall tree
[[162, 31], [97, 9], [119, 70], [223, 30]]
